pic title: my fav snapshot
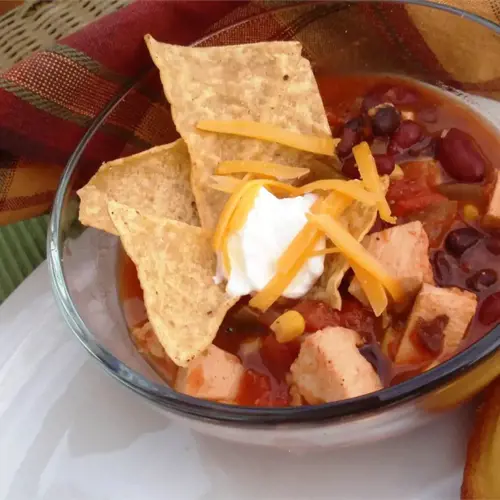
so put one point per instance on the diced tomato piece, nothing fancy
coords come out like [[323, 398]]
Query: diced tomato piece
[[317, 315], [354, 315], [278, 358], [254, 387], [415, 203], [256, 390], [415, 191], [414, 198], [357, 317]]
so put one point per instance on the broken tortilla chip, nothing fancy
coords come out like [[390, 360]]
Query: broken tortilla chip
[[358, 219], [266, 82], [175, 264], [155, 182]]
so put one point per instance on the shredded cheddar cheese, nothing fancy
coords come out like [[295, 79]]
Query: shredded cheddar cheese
[[225, 183], [298, 252], [325, 251], [275, 288], [262, 168], [289, 264], [240, 213], [335, 204], [369, 175], [224, 225], [227, 212], [305, 236], [373, 289], [322, 219], [275, 187], [352, 189], [356, 252], [226, 261], [270, 133]]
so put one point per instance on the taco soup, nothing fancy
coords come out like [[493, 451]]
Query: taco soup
[[309, 238]]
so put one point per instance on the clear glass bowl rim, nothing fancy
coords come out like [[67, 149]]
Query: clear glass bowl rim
[[163, 395]]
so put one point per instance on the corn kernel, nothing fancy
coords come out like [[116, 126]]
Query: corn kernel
[[288, 326], [471, 213]]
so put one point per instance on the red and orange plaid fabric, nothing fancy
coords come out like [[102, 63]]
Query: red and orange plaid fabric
[[48, 100]]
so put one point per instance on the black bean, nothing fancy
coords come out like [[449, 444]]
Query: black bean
[[459, 240], [385, 120], [350, 135], [481, 280], [350, 169], [443, 268]]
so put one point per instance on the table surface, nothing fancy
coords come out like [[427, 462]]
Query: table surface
[[70, 432]]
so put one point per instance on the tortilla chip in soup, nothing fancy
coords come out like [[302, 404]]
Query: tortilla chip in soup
[[358, 219], [266, 82], [175, 264], [155, 182]]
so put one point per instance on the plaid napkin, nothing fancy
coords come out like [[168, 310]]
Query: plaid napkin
[[48, 100]]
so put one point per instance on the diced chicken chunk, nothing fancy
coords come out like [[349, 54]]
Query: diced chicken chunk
[[436, 325], [214, 375], [492, 216], [404, 252], [330, 367]]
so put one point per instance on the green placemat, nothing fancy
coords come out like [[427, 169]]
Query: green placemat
[[22, 249]]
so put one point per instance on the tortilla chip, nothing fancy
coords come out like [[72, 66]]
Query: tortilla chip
[[155, 182], [265, 82], [175, 264], [358, 219]]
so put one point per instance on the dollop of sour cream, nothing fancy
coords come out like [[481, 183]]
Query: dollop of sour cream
[[254, 250]]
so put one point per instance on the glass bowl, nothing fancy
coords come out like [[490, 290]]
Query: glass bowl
[[404, 38]]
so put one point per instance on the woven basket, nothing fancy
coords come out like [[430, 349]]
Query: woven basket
[[37, 24]]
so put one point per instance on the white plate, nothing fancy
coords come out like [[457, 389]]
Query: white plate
[[70, 432]]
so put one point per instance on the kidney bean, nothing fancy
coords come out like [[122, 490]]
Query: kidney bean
[[461, 157], [350, 135], [459, 240], [385, 119], [493, 246], [489, 312], [443, 269], [406, 136], [482, 280], [385, 164], [350, 169]]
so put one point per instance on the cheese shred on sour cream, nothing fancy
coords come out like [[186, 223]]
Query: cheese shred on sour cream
[[255, 249]]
